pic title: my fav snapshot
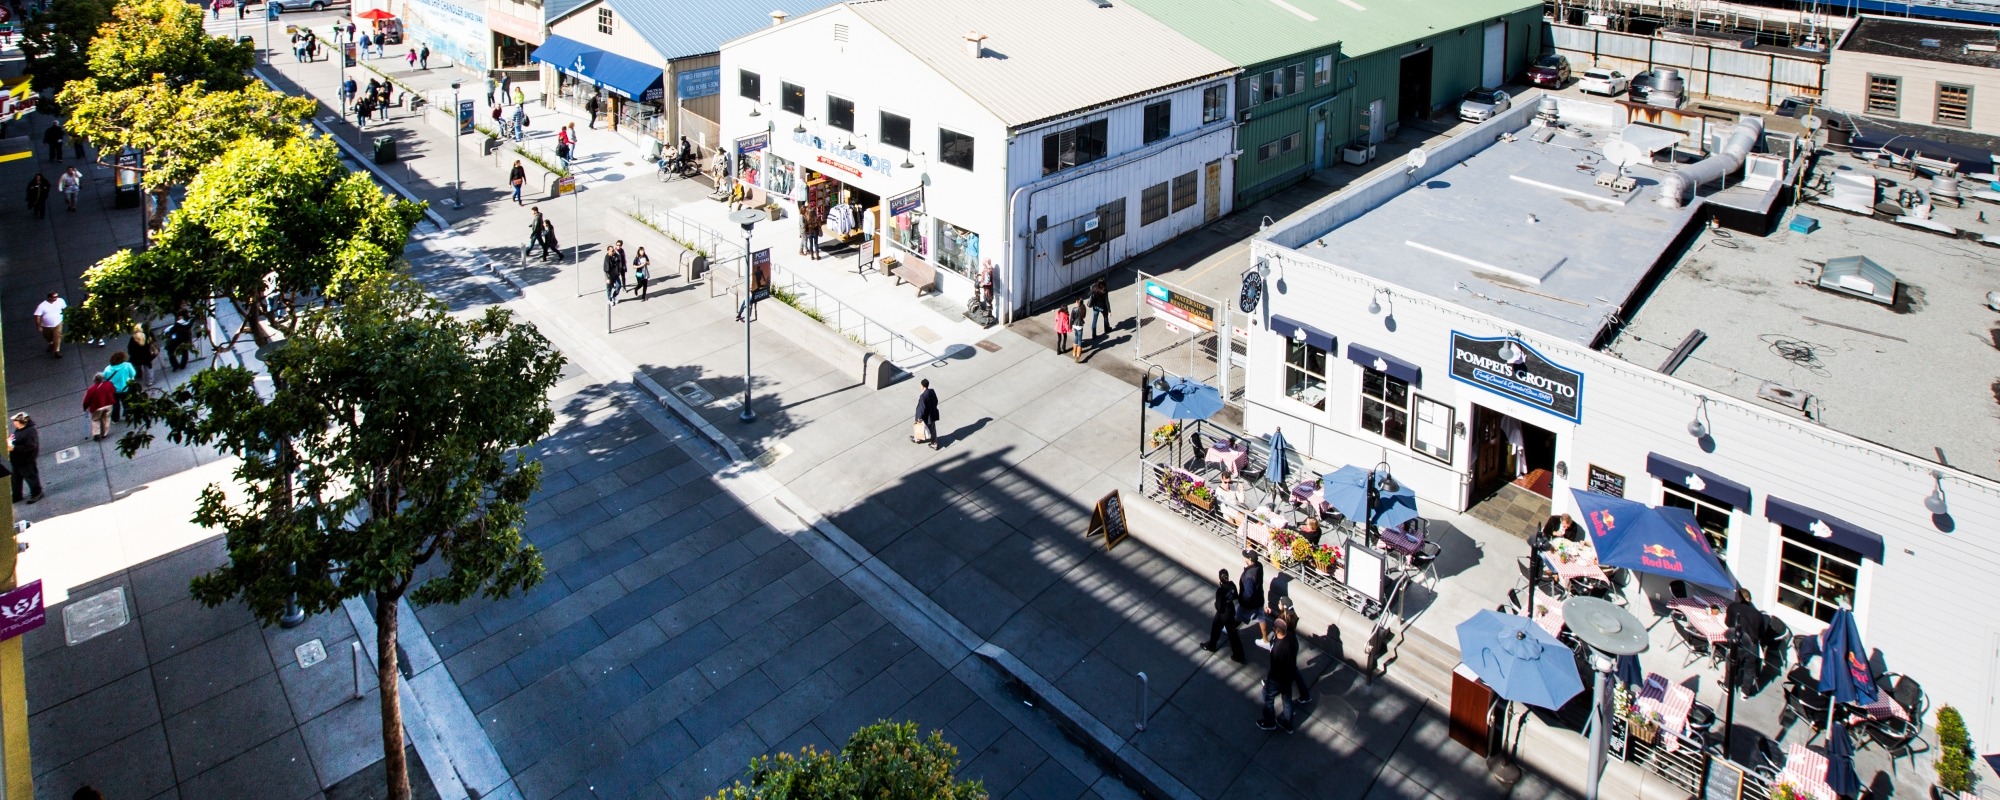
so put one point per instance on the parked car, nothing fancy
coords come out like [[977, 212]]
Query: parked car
[[1550, 70], [284, 6], [1607, 82], [1482, 103]]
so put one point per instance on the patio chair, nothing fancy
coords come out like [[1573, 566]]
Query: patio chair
[[1696, 644], [1770, 754], [1548, 585], [1807, 704], [1677, 589], [1898, 738], [1424, 561], [1591, 587], [1906, 692], [1514, 604]]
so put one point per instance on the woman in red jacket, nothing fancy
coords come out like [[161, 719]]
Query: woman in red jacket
[[97, 402]]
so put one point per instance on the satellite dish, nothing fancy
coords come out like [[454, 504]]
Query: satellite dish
[[1415, 161], [1624, 154], [1811, 122]]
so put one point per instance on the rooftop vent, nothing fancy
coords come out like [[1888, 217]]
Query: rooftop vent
[[778, 18], [1861, 277], [1784, 395], [975, 44], [1930, 43]]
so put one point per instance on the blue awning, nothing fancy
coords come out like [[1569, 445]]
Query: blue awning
[[1380, 362], [1791, 515], [634, 79], [1697, 479], [1289, 328]]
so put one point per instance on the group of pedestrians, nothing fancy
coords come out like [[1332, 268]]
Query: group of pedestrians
[[1242, 603], [379, 97], [1091, 311], [542, 233], [305, 45]]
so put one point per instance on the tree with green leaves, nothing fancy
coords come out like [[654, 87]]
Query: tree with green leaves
[[883, 761], [263, 225], [57, 45], [389, 437], [162, 41]]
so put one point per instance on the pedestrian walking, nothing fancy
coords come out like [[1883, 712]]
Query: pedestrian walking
[[38, 195], [1278, 682], [180, 340], [507, 88], [49, 319], [68, 184], [1078, 321], [642, 271], [24, 446], [122, 375], [927, 415], [347, 90], [366, 42], [363, 110], [424, 59], [516, 176], [53, 137], [350, 29], [387, 95], [1224, 622], [551, 251], [412, 59], [492, 85], [592, 106], [814, 227], [614, 271], [98, 400], [142, 350], [1062, 328], [1100, 307], [520, 97], [520, 121], [1249, 589], [1280, 611], [534, 231]]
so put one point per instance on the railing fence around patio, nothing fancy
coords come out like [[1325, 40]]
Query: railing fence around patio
[[1688, 763]]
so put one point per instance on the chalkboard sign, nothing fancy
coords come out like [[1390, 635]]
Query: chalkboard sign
[[1108, 517], [1604, 481]]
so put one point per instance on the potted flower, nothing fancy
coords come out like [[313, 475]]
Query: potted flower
[[1281, 547], [1323, 557], [1954, 762], [1644, 726], [1302, 551], [1783, 791], [1200, 497], [1165, 434]]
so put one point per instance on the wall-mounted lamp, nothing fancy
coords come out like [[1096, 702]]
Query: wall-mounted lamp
[[1562, 469], [1698, 427], [754, 112], [1375, 302], [1935, 502], [906, 160], [1511, 353], [1458, 429]]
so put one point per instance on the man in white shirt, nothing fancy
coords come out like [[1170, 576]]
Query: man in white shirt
[[49, 317], [68, 185]]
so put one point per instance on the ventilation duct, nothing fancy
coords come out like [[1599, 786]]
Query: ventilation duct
[[1678, 189]]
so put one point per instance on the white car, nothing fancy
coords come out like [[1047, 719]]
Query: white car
[[1607, 82], [1482, 103]]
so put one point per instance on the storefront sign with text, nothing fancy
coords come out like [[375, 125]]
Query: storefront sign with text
[[21, 610], [876, 163], [1529, 378]]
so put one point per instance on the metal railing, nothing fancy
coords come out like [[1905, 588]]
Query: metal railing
[[814, 302], [722, 248], [1687, 761]]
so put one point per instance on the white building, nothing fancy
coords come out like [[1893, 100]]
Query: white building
[[1495, 323], [1051, 138]]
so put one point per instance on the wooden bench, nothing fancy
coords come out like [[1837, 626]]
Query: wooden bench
[[916, 273]]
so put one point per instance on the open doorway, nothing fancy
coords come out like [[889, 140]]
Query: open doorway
[[1507, 450], [1413, 93]]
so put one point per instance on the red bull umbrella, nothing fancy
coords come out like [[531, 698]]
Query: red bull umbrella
[[1662, 541]]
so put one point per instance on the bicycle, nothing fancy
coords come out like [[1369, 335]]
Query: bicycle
[[672, 169]]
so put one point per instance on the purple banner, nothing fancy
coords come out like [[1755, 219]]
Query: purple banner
[[21, 610]]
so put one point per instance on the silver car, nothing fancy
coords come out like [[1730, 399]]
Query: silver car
[[1482, 103]]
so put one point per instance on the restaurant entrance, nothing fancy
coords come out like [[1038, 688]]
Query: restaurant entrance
[[1505, 449]]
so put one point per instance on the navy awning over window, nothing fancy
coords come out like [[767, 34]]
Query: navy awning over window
[[1793, 515], [1395, 367], [625, 76], [1688, 476], [562, 53], [1289, 328]]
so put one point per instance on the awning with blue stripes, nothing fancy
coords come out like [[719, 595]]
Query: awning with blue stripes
[[631, 78]]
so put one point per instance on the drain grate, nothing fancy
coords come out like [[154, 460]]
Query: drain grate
[[310, 653], [95, 616], [693, 394]]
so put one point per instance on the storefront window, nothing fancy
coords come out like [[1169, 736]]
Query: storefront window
[[906, 224], [793, 96], [1385, 405], [957, 248], [1305, 373], [779, 177], [955, 148], [840, 113], [1815, 576], [1711, 514]]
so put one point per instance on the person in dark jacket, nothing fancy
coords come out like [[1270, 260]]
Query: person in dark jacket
[[551, 250], [53, 137], [180, 340], [534, 230], [1249, 589], [24, 446], [38, 195], [927, 413], [1225, 619], [1284, 673], [1746, 639], [614, 271], [1100, 308], [142, 350]]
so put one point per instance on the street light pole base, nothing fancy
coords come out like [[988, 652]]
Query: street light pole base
[[456, 205], [1503, 769], [294, 617], [747, 415]]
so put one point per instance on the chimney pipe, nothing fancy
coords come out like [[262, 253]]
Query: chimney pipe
[[975, 44], [778, 18]]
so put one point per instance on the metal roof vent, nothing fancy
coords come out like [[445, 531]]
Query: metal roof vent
[[975, 44], [1932, 43], [1861, 277]]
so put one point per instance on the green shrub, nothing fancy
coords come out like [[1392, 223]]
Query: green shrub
[[883, 761], [1954, 763]]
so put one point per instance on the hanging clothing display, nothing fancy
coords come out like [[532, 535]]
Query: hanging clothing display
[[839, 220]]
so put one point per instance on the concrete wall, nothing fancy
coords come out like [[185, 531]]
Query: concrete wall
[[1847, 87]]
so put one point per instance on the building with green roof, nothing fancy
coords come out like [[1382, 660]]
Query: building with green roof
[[1320, 75]]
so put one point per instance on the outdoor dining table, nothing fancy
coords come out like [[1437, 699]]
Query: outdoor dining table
[[1309, 493], [1884, 707], [1256, 527], [1232, 460], [1704, 617], [1548, 614], [1402, 539], [1581, 563], [1672, 701], [1805, 770]]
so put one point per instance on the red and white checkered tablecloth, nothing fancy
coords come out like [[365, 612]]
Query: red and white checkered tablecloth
[[1705, 620], [1885, 707], [1805, 769], [1582, 564], [1671, 701]]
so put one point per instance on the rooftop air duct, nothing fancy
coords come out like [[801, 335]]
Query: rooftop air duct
[[1678, 189]]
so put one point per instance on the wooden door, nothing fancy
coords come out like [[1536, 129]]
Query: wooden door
[[1214, 187], [1491, 466]]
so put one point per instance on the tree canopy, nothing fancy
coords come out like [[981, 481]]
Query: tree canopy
[[150, 41], [180, 129], [57, 45], [883, 761], [284, 216]]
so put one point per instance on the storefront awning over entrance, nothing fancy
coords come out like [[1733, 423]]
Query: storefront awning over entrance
[[1289, 328], [1792, 515], [634, 79], [1686, 475], [1395, 367]]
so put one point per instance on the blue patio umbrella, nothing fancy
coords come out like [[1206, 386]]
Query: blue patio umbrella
[[1629, 673], [1277, 471], [1662, 541], [1186, 398], [1840, 775], [1346, 489], [1843, 661], [1522, 662]]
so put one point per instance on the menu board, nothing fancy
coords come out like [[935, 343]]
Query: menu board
[[1604, 481]]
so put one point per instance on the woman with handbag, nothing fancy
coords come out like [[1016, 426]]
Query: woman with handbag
[[641, 272], [517, 176], [142, 350]]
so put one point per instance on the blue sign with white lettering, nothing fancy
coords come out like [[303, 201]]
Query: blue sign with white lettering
[[1505, 366], [698, 82]]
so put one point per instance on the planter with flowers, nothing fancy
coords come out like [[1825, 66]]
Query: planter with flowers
[[1324, 557], [1165, 434]]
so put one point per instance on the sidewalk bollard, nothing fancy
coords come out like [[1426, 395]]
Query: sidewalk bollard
[[357, 670], [1142, 703]]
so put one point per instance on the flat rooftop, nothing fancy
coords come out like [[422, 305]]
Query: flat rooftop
[[1944, 42], [1921, 377], [1519, 230]]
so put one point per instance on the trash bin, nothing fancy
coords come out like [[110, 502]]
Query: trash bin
[[694, 267], [385, 149]]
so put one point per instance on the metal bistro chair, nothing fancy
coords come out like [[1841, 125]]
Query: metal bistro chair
[[1897, 737], [1424, 561], [1548, 586], [1777, 640], [1807, 704]]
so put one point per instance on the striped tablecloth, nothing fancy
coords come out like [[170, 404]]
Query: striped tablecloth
[[1712, 626], [1582, 564], [1671, 701], [1884, 707], [1805, 769]]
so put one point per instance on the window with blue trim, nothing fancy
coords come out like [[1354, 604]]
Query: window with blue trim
[[1815, 576], [1711, 514], [1385, 405], [1305, 373]]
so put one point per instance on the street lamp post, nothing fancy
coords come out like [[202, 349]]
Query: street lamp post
[[748, 219], [1147, 385], [1610, 632], [1376, 486], [457, 131]]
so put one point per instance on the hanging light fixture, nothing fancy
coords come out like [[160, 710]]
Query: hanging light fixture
[[1375, 302], [1935, 502], [1511, 353], [753, 110], [1698, 427]]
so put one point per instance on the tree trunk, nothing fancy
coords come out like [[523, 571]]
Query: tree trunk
[[389, 679]]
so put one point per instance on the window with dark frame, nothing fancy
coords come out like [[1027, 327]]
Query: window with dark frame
[[1159, 120], [1954, 105], [605, 24], [1074, 146], [1186, 190], [1153, 204], [1111, 218], [750, 84], [1278, 147], [1885, 95], [792, 97], [1322, 70], [840, 113], [895, 130], [1815, 576], [1214, 103], [1385, 405], [955, 148], [1305, 373], [1711, 514]]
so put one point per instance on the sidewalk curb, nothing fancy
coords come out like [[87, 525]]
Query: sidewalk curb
[[1081, 724]]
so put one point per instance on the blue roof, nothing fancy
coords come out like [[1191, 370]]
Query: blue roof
[[555, 9], [631, 78], [682, 29]]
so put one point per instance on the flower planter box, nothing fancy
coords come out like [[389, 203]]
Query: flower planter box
[[1203, 503]]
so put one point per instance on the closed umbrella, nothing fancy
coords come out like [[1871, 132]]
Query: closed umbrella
[[1840, 775], [1843, 662], [1277, 471], [1662, 541], [1629, 673], [1186, 398]]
